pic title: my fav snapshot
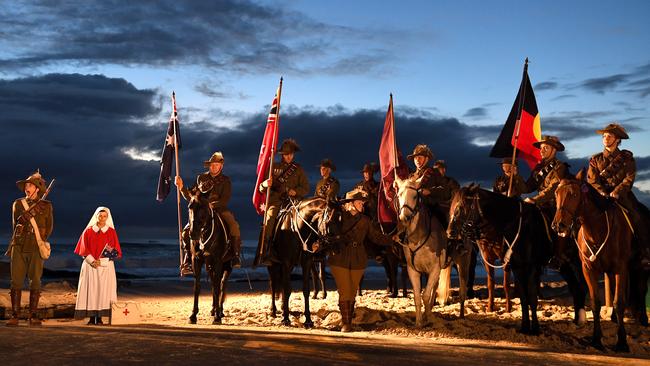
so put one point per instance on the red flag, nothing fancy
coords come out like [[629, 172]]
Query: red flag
[[522, 128], [267, 150], [391, 161]]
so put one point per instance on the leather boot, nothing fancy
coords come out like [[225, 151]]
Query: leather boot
[[346, 316], [351, 305], [236, 248], [186, 267], [34, 296], [15, 307]]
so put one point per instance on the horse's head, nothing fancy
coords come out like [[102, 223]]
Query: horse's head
[[568, 196], [407, 197], [465, 213], [199, 213]]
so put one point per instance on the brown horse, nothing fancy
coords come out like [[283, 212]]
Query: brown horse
[[490, 251], [605, 243]]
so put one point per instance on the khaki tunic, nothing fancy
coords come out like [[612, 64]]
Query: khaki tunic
[[433, 181], [351, 254], [545, 178], [297, 181], [370, 187], [327, 188], [612, 172], [518, 185], [26, 260]]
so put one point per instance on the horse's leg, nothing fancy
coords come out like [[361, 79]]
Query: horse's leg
[[404, 280], [322, 277], [506, 288], [619, 308], [637, 293], [223, 282], [594, 293], [273, 285], [463, 277], [314, 271], [521, 281], [429, 295], [286, 293], [198, 263], [217, 269], [533, 296], [577, 290], [307, 264], [490, 287], [414, 276], [391, 264]]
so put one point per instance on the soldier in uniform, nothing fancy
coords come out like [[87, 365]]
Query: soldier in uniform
[[544, 179], [26, 260], [218, 188], [288, 181], [612, 174], [433, 185], [451, 184], [328, 187], [370, 186], [502, 182]]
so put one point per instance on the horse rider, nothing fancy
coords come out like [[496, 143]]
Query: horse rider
[[502, 182], [218, 188], [544, 179], [327, 187], [30, 227], [288, 181], [451, 184], [434, 188], [370, 186], [612, 174]]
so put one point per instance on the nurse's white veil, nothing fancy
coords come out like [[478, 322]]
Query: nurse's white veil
[[93, 218]]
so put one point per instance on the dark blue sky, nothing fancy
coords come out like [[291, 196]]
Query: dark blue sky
[[84, 89]]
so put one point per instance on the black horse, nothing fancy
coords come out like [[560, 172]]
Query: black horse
[[206, 233], [302, 224], [529, 243]]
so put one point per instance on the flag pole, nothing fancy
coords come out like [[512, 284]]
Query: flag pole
[[178, 172], [392, 117], [522, 97], [268, 189]]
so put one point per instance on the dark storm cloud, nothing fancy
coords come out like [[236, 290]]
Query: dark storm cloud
[[82, 128], [477, 112], [546, 85], [233, 35]]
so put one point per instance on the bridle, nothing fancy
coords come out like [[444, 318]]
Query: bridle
[[321, 224]]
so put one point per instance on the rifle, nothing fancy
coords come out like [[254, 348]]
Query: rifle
[[25, 217]]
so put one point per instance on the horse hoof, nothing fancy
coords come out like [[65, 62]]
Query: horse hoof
[[286, 322], [393, 296], [216, 321], [622, 347], [523, 331], [598, 345], [309, 324], [192, 320], [581, 317]]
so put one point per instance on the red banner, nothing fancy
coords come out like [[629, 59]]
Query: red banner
[[267, 150]]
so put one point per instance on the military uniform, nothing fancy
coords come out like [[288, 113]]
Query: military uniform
[[502, 182], [328, 187], [286, 176], [371, 188], [218, 188], [349, 259], [26, 260], [614, 172], [544, 179]]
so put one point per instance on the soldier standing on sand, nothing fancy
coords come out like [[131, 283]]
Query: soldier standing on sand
[[29, 227]]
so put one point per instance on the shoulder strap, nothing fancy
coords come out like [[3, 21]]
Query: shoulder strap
[[32, 221]]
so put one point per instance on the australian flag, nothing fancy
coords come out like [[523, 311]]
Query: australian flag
[[109, 252], [172, 139]]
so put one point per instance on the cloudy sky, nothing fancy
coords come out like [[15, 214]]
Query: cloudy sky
[[85, 88]]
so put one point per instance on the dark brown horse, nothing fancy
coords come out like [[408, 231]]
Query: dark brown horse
[[478, 213], [302, 224], [206, 232], [604, 241]]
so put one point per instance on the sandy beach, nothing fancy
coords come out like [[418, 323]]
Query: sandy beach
[[379, 321]]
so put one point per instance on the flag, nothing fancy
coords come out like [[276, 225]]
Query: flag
[[172, 138], [266, 151], [530, 130], [391, 161]]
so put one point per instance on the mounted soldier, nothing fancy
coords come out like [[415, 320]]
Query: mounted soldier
[[612, 173], [502, 182], [30, 226], [370, 186], [328, 187], [288, 181], [451, 185], [218, 188], [544, 179]]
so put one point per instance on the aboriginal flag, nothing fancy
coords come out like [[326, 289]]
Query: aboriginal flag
[[529, 127]]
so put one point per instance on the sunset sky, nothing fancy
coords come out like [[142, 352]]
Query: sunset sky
[[85, 88]]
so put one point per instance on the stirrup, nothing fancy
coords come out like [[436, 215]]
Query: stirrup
[[186, 270]]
